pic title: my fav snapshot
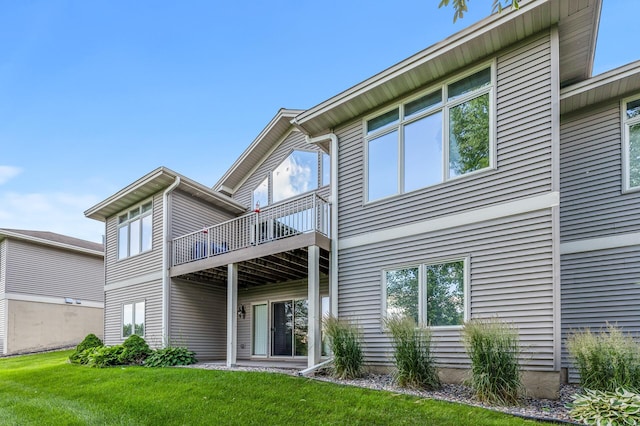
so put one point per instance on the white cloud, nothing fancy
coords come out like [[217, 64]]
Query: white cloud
[[8, 172], [56, 212]]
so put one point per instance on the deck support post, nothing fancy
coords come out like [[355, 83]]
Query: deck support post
[[315, 308], [232, 318]]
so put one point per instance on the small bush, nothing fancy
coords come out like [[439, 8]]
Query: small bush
[[412, 354], [595, 407], [136, 350], [105, 356], [171, 356], [89, 342], [344, 341], [493, 348], [606, 360]]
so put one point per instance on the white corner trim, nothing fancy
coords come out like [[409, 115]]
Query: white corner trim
[[154, 276], [50, 299], [601, 243], [511, 208]]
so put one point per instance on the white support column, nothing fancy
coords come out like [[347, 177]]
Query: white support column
[[232, 317], [315, 307]]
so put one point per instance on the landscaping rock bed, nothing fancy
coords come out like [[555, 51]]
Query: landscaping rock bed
[[539, 409]]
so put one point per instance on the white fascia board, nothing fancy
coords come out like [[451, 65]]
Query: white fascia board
[[43, 241], [484, 214], [50, 299], [612, 76]]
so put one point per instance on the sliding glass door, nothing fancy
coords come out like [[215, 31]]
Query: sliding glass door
[[289, 328]]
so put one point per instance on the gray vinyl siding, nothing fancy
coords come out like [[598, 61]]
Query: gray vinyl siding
[[293, 141], [291, 290], [151, 293], [3, 324], [592, 203], [599, 287], [141, 264], [48, 271], [511, 276], [3, 264], [198, 318], [189, 214], [523, 147]]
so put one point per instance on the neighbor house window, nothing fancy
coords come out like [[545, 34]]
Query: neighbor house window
[[437, 136], [135, 230], [133, 319], [433, 294], [631, 153]]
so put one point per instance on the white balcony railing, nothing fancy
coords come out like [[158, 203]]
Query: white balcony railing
[[308, 213]]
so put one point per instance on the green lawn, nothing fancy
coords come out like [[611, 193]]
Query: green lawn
[[45, 390]]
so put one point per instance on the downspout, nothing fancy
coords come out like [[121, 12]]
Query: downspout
[[165, 261], [333, 270]]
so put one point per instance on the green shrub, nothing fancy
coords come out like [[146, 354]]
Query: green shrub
[[89, 342], [606, 360], [412, 354], [493, 348], [105, 356], [344, 341], [136, 350], [170, 356], [595, 407]]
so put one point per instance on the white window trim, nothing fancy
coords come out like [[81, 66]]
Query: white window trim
[[626, 147], [422, 274], [133, 325], [445, 106], [127, 222]]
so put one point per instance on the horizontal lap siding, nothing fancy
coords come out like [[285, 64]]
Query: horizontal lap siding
[[151, 293], [3, 264], [142, 264], [295, 140], [3, 324], [523, 137], [198, 318], [189, 214], [48, 271], [267, 294], [511, 277], [597, 287], [591, 200]]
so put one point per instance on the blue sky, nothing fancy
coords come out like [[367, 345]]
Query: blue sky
[[95, 94]]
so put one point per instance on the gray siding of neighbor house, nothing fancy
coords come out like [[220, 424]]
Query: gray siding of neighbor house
[[3, 301], [189, 214], [198, 318], [295, 140], [3, 265], [48, 271], [266, 294], [134, 266], [511, 276], [592, 203], [3, 324], [151, 293], [603, 285], [523, 135]]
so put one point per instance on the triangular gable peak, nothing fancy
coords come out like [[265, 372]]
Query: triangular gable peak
[[262, 146]]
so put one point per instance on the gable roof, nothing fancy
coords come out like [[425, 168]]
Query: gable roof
[[614, 84], [53, 239], [154, 182], [259, 148], [577, 22]]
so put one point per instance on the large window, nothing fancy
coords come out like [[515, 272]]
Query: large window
[[631, 153], [432, 138], [433, 294], [133, 319], [135, 230]]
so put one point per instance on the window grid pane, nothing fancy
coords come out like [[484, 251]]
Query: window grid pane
[[469, 84], [139, 319], [384, 120], [445, 294], [423, 152], [127, 320], [123, 241], [383, 166], [469, 136], [634, 156], [403, 293], [134, 237], [422, 104]]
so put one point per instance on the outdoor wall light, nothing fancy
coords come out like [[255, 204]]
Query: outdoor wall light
[[241, 312], [68, 300]]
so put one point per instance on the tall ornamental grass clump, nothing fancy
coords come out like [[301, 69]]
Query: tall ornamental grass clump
[[414, 361], [493, 347], [344, 341], [606, 360]]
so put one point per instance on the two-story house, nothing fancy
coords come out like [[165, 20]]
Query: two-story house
[[488, 175]]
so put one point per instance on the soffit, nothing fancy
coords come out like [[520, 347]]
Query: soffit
[[614, 84], [577, 23], [150, 184]]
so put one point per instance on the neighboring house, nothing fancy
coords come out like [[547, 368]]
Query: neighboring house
[[51, 290], [488, 175]]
